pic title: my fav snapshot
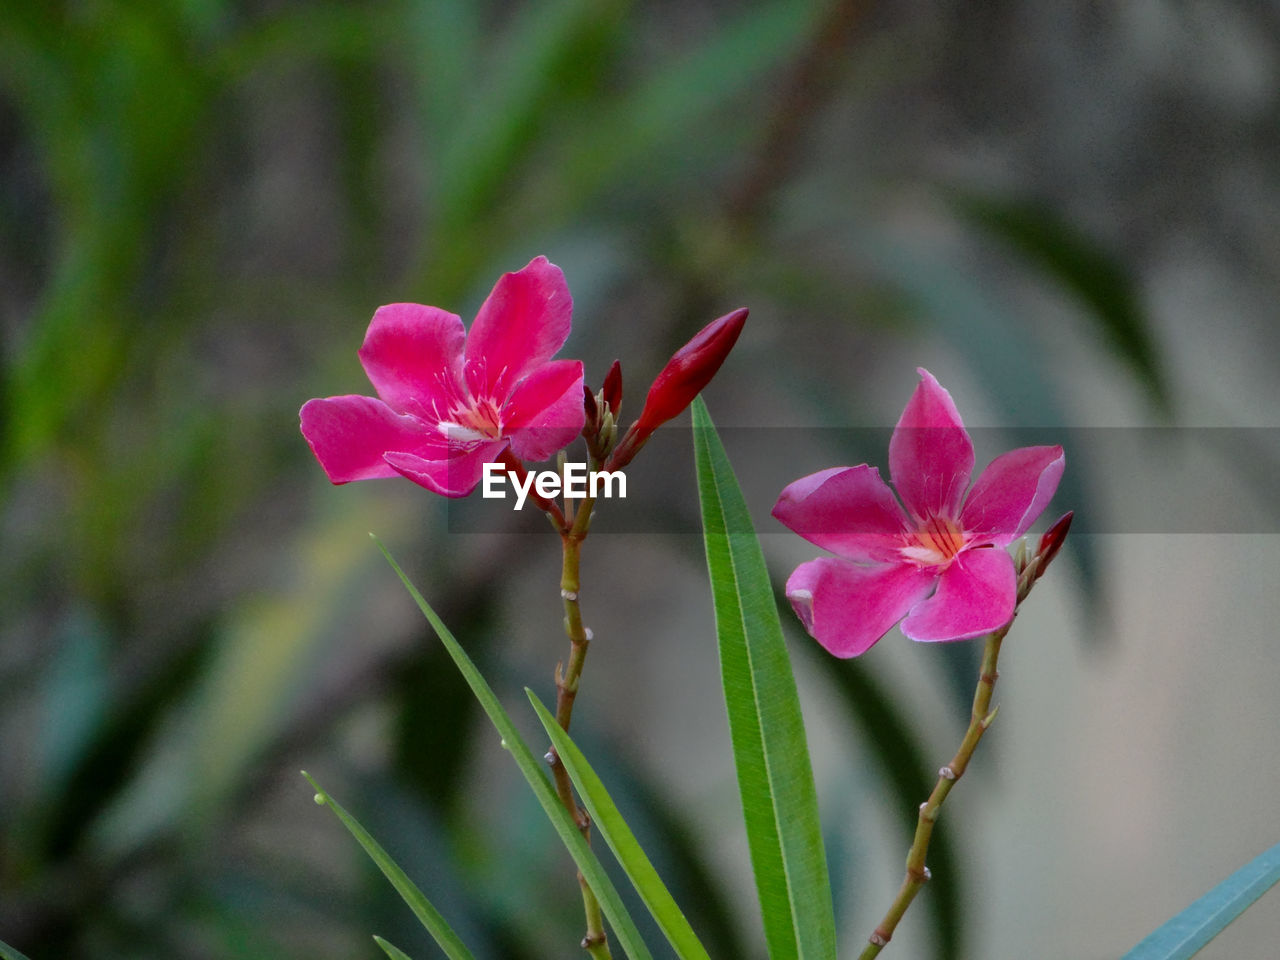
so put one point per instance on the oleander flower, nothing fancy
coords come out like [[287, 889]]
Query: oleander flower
[[448, 401], [936, 562]]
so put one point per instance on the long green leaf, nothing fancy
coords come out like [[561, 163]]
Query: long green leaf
[[427, 915], [391, 950], [1185, 934], [8, 953], [610, 824], [623, 926], [894, 747], [1047, 240], [779, 801]]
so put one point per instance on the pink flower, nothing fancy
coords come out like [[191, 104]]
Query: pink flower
[[939, 563], [449, 402]]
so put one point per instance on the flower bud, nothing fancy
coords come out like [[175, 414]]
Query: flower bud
[[1031, 568], [1051, 542], [688, 371], [611, 392], [682, 379]]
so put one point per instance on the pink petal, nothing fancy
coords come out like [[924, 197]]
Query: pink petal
[[847, 608], [350, 434], [1009, 495], [545, 412], [522, 324], [975, 596], [930, 453], [453, 476], [413, 356], [847, 510]]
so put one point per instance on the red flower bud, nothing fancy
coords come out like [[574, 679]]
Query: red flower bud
[[611, 392], [682, 379], [689, 371], [1051, 542], [590, 409]]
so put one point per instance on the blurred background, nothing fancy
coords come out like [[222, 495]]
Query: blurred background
[[1068, 213]]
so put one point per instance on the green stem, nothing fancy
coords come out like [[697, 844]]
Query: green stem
[[917, 873], [595, 942]]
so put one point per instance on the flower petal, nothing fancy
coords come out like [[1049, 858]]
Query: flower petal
[[545, 412], [413, 356], [847, 510], [522, 324], [1009, 495], [455, 475], [847, 608], [975, 595], [930, 453], [350, 434]]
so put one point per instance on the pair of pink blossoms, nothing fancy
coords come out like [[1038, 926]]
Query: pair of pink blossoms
[[449, 402]]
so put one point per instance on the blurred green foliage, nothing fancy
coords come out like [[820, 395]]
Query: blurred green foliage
[[201, 202]]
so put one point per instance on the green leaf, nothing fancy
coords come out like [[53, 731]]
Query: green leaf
[[390, 949], [672, 103], [904, 770], [8, 953], [609, 822], [779, 802], [1185, 934], [427, 915], [1102, 285], [623, 926]]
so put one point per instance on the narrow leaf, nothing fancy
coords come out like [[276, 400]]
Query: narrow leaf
[[608, 821], [894, 747], [1047, 240], [779, 801], [623, 926], [8, 953], [390, 949], [427, 915], [1185, 934]]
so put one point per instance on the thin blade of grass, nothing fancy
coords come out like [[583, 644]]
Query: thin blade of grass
[[427, 915], [623, 926], [608, 821], [390, 949]]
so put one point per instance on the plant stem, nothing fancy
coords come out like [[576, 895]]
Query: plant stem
[[595, 942], [917, 873]]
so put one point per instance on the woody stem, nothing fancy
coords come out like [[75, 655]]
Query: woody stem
[[595, 942]]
